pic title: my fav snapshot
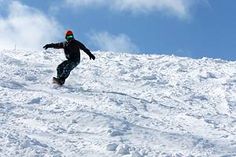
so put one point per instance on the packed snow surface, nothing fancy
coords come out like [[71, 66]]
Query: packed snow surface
[[118, 105]]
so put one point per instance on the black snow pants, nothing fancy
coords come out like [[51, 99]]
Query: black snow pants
[[64, 69]]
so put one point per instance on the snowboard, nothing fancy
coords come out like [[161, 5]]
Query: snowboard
[[57, 81]]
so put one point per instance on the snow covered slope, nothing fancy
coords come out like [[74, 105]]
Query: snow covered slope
[[118, 105]]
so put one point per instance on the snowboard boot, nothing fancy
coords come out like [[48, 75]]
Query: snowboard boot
[[58, 81]]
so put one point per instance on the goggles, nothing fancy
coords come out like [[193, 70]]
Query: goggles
[[69, 37]]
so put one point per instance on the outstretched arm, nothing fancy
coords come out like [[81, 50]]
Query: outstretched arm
[[86, 50], [55, 46]]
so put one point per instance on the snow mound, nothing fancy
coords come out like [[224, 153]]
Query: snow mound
[[118, 105]]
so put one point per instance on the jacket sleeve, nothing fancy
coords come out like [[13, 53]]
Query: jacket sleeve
[[56, 45], [85, 49]]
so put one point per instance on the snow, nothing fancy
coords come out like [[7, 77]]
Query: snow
[[118, 105]]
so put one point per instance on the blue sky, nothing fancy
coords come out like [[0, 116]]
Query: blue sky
[[192, 28]]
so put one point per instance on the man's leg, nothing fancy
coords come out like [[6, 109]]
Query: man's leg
[[64, 69], [60, 68]]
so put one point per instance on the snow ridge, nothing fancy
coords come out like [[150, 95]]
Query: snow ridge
[[118, 105]]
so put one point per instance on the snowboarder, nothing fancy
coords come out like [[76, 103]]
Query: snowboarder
[[72, 49]]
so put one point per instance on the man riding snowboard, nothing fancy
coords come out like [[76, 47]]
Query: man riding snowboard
[[72, 49]]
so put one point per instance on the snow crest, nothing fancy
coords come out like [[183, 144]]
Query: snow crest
[[118, 105]]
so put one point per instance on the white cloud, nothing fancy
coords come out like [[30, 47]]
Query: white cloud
[[108, 42], [26, 28], [179, 8]]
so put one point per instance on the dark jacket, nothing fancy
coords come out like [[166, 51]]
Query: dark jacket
[[72, 49]]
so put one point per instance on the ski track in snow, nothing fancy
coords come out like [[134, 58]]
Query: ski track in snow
[[118, 105]]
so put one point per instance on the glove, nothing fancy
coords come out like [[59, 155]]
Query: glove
[[92, 57], [46, 46]]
